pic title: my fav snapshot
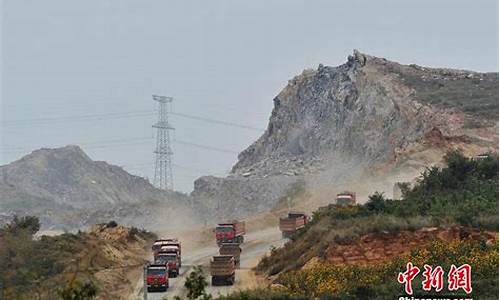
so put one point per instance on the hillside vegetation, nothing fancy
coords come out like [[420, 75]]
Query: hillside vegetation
[[463, 194], [96, 261]]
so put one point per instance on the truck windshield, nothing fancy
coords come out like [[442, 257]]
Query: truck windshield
[[224, 229], [164, 258], [156, 271]]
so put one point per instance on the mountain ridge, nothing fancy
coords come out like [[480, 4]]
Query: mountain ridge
[[67, 189]]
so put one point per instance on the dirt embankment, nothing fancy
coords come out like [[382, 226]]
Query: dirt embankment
[[114, 256], [377, 247]]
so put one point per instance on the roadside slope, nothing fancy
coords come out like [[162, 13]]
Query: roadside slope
[[107, 256]]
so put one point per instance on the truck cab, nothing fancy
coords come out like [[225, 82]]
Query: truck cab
[[224, 233], [172, 250], [160, 244], [170, 261], [157, 278], [230, 232], [346, 199]]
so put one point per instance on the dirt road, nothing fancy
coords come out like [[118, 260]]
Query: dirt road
[[256, 245]]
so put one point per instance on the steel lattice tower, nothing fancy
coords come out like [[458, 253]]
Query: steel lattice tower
[[163, 152]]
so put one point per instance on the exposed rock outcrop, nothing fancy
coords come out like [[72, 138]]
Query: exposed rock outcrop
[[345, 120]]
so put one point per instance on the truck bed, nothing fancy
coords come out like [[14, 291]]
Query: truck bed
[[232, 249], [222, 265], [291, 224]]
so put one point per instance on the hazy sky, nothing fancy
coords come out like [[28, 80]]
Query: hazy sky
[[82, 72]]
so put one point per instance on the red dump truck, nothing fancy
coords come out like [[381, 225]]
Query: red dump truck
[[170, 260], [232, 249], [346, 199], [157, 278], [291, 223], [222, 270], [160, 244], [230, 232]]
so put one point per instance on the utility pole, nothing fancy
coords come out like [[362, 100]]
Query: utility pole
[[145, 288], [163, 152]]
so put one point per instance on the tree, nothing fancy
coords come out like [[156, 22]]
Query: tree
[[196, 284], [78, 291], [29, 223], [376, 202]]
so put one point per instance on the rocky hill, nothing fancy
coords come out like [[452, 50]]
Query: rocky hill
[[335, 126], [66, 189]]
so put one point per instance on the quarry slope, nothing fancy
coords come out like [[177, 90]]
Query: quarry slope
[[367, 120]]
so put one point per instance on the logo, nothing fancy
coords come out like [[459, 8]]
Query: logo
[[433, 278]]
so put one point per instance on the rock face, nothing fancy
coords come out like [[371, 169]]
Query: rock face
[[347, 119], [66, 189]]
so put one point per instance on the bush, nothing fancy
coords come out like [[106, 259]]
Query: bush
[[78, 291], [29, 224], [196, 284], [111, 224], [261, 294]]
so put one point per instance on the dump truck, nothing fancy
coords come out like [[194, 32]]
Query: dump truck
[[291, 223], [157, 245], [170, 260], [231, 249], [162, 244], [230, 232], [172, 250], [222, 270], [176, 243], [346, 199], [157, 278]]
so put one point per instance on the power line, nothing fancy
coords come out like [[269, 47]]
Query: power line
[[205, 147], [97, 144], [191, 170], [119, 143], [120, 115], [208, 120], [89, 117]]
